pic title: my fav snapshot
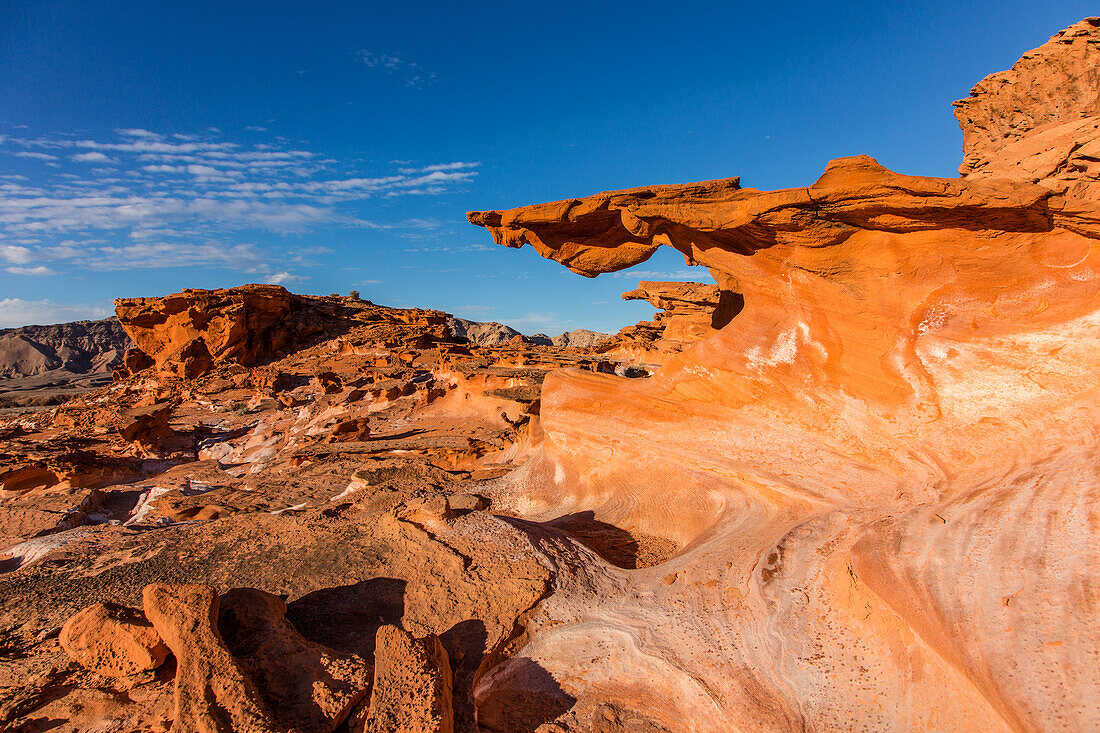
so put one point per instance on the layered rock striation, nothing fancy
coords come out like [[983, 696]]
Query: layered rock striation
[[880, 477]]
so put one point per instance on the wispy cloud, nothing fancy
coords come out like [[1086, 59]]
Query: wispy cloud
[[457, 166], [175, 200], [411, 74], [282, 278], [139, 133], [18, 312], [699, 274], [92, 157], [34, 156], [38, 271]]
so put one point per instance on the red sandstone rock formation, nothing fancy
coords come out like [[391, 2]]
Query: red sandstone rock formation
[[212, 692], [882, 473], [868, 501], [185, 334], [690, 313], [1040, 120], [340, 475]]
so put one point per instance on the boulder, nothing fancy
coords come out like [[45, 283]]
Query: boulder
[[113, 640], [307, 687], [212, 692], [242, 666]]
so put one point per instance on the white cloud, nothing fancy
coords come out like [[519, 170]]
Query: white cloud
[[176, 199], [282, 278], [15, 312], [39, 271], [458, 165], [92, 157], [34, 156], [375, 60], [215, 185], [144, 255], [255, 128], [138, 132], [15, 254], [203, 170]]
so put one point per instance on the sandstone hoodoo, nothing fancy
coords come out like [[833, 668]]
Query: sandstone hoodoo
[[846, 465], [852, 484]]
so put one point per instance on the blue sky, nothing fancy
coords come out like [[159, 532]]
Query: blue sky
[[150, 146]]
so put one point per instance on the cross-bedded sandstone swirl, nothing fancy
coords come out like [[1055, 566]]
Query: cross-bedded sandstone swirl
[[881, 475]]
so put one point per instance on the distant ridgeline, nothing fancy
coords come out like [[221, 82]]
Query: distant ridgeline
[[82, 347]]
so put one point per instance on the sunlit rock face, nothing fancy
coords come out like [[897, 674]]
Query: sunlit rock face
[[185, 334], [880, 478], [689, 312]]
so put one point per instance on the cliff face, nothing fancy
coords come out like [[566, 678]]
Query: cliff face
[[1040, 120], [187, 333], [881, 475]]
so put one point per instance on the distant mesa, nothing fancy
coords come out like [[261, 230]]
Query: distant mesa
[[491, 333]]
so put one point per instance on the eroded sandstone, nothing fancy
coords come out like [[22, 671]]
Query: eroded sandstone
[[863, 495], [412, 685], [846, 464]]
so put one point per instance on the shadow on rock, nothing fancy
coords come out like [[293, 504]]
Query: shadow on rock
[[346, 618], [521, 697], [615, 544], [465, 645]]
